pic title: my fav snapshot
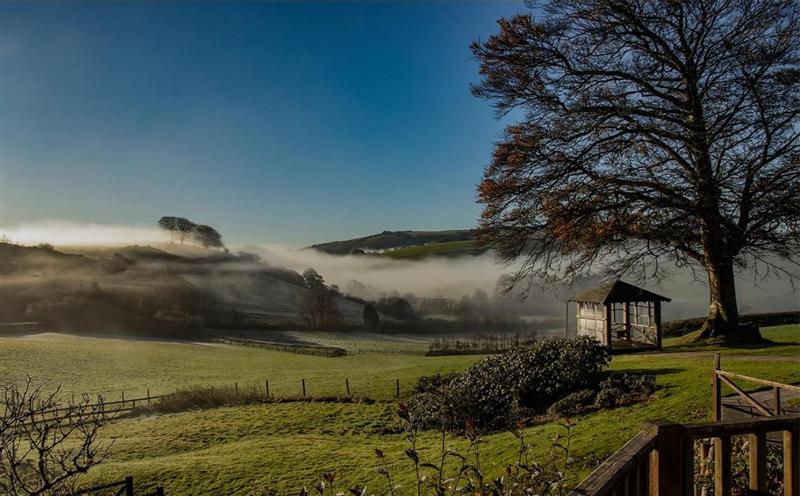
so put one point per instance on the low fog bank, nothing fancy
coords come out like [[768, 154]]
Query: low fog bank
[[69, 233], [264, 281], [370, 277]]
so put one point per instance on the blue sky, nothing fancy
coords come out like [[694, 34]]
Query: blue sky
[[274, 122]]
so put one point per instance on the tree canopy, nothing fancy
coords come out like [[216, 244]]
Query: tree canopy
[[185, 230], [652, 130]]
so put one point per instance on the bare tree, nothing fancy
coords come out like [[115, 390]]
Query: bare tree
[[45, 444], [653, 130]]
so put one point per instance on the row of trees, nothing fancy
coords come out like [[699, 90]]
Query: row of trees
[[184, 230]]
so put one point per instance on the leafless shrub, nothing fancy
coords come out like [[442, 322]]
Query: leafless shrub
[[45, 444], [452, 472]]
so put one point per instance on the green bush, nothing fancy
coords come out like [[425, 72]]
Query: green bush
[[496, 391], [485, 394], [552, 369], [432, 383], [573, 404], [624, 389]]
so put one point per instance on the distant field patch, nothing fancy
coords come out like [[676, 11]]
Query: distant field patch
[[446, 249]]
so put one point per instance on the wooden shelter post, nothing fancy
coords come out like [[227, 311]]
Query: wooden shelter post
[[626, 319], [609, 315], [657, 318]]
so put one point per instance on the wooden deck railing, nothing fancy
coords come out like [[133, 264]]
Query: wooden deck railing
[[659, 461]]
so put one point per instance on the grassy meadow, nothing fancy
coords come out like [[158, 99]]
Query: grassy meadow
[[111, 366], [251, 449]]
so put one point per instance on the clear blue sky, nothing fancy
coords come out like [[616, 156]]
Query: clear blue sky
[[274, 122]]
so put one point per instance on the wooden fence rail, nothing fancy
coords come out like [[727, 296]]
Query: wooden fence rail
[[659, 461], [720, 377]]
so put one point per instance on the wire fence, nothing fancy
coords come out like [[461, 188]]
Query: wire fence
[[130, 403]]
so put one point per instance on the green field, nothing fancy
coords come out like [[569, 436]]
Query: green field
[[446, 249], [249, 449], [111, 366]]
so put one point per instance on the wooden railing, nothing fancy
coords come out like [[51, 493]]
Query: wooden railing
[[721, 377], [659, 461]]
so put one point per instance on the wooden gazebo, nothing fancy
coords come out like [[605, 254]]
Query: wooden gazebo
[[620, 315]]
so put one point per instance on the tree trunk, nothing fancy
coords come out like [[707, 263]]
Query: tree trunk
[[723, 312]]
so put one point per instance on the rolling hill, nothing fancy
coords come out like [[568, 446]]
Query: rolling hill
[[127, 284], [389, 240]]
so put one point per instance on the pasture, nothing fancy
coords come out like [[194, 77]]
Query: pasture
[[251, 449], [111, 366]]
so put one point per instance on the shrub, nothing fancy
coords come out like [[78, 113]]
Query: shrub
[[624, 389], [492, 392], [427, 409], [573, 404], [485, 394], [552, 369], [432, 383]]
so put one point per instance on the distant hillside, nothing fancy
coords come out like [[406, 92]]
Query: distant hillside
[[136, 289], [393, 239]]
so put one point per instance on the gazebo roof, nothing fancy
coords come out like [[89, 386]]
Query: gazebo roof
[[617, 292]]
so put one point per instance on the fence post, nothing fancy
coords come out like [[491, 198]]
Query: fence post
[[236, 388], [397, 381], [672, 461], [303, 382], [716, 390], [129, 485], [123, 399], [347, 385], [266, 385]]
